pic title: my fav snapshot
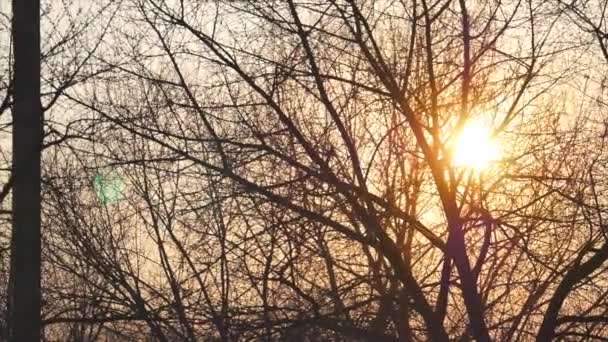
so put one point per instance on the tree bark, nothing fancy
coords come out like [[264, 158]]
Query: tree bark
[[24, 287]]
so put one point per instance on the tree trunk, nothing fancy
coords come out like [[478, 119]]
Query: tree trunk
[[24, 287]]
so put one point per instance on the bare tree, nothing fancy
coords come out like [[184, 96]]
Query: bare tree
[[32, 85], [290, 174], [24, 287]]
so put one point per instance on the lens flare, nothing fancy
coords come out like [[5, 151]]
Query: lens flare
[[108, 187]]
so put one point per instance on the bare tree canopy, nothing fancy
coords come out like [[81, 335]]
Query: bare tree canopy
[[311, 170]]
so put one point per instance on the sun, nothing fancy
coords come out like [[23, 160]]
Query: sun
[[474, 148]]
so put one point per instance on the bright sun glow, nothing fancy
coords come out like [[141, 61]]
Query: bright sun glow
[[474, 148]]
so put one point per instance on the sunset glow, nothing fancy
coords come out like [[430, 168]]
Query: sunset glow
[[474, 148]]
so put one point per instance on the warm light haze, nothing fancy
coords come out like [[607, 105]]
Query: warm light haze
[[474, 148], [303, 170]]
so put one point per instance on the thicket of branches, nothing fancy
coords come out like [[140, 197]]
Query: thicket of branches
[[288, 173]]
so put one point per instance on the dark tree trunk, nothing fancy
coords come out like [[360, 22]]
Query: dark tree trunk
[[24, 287]]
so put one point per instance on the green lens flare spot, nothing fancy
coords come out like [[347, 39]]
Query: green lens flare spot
[[108, 187]]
